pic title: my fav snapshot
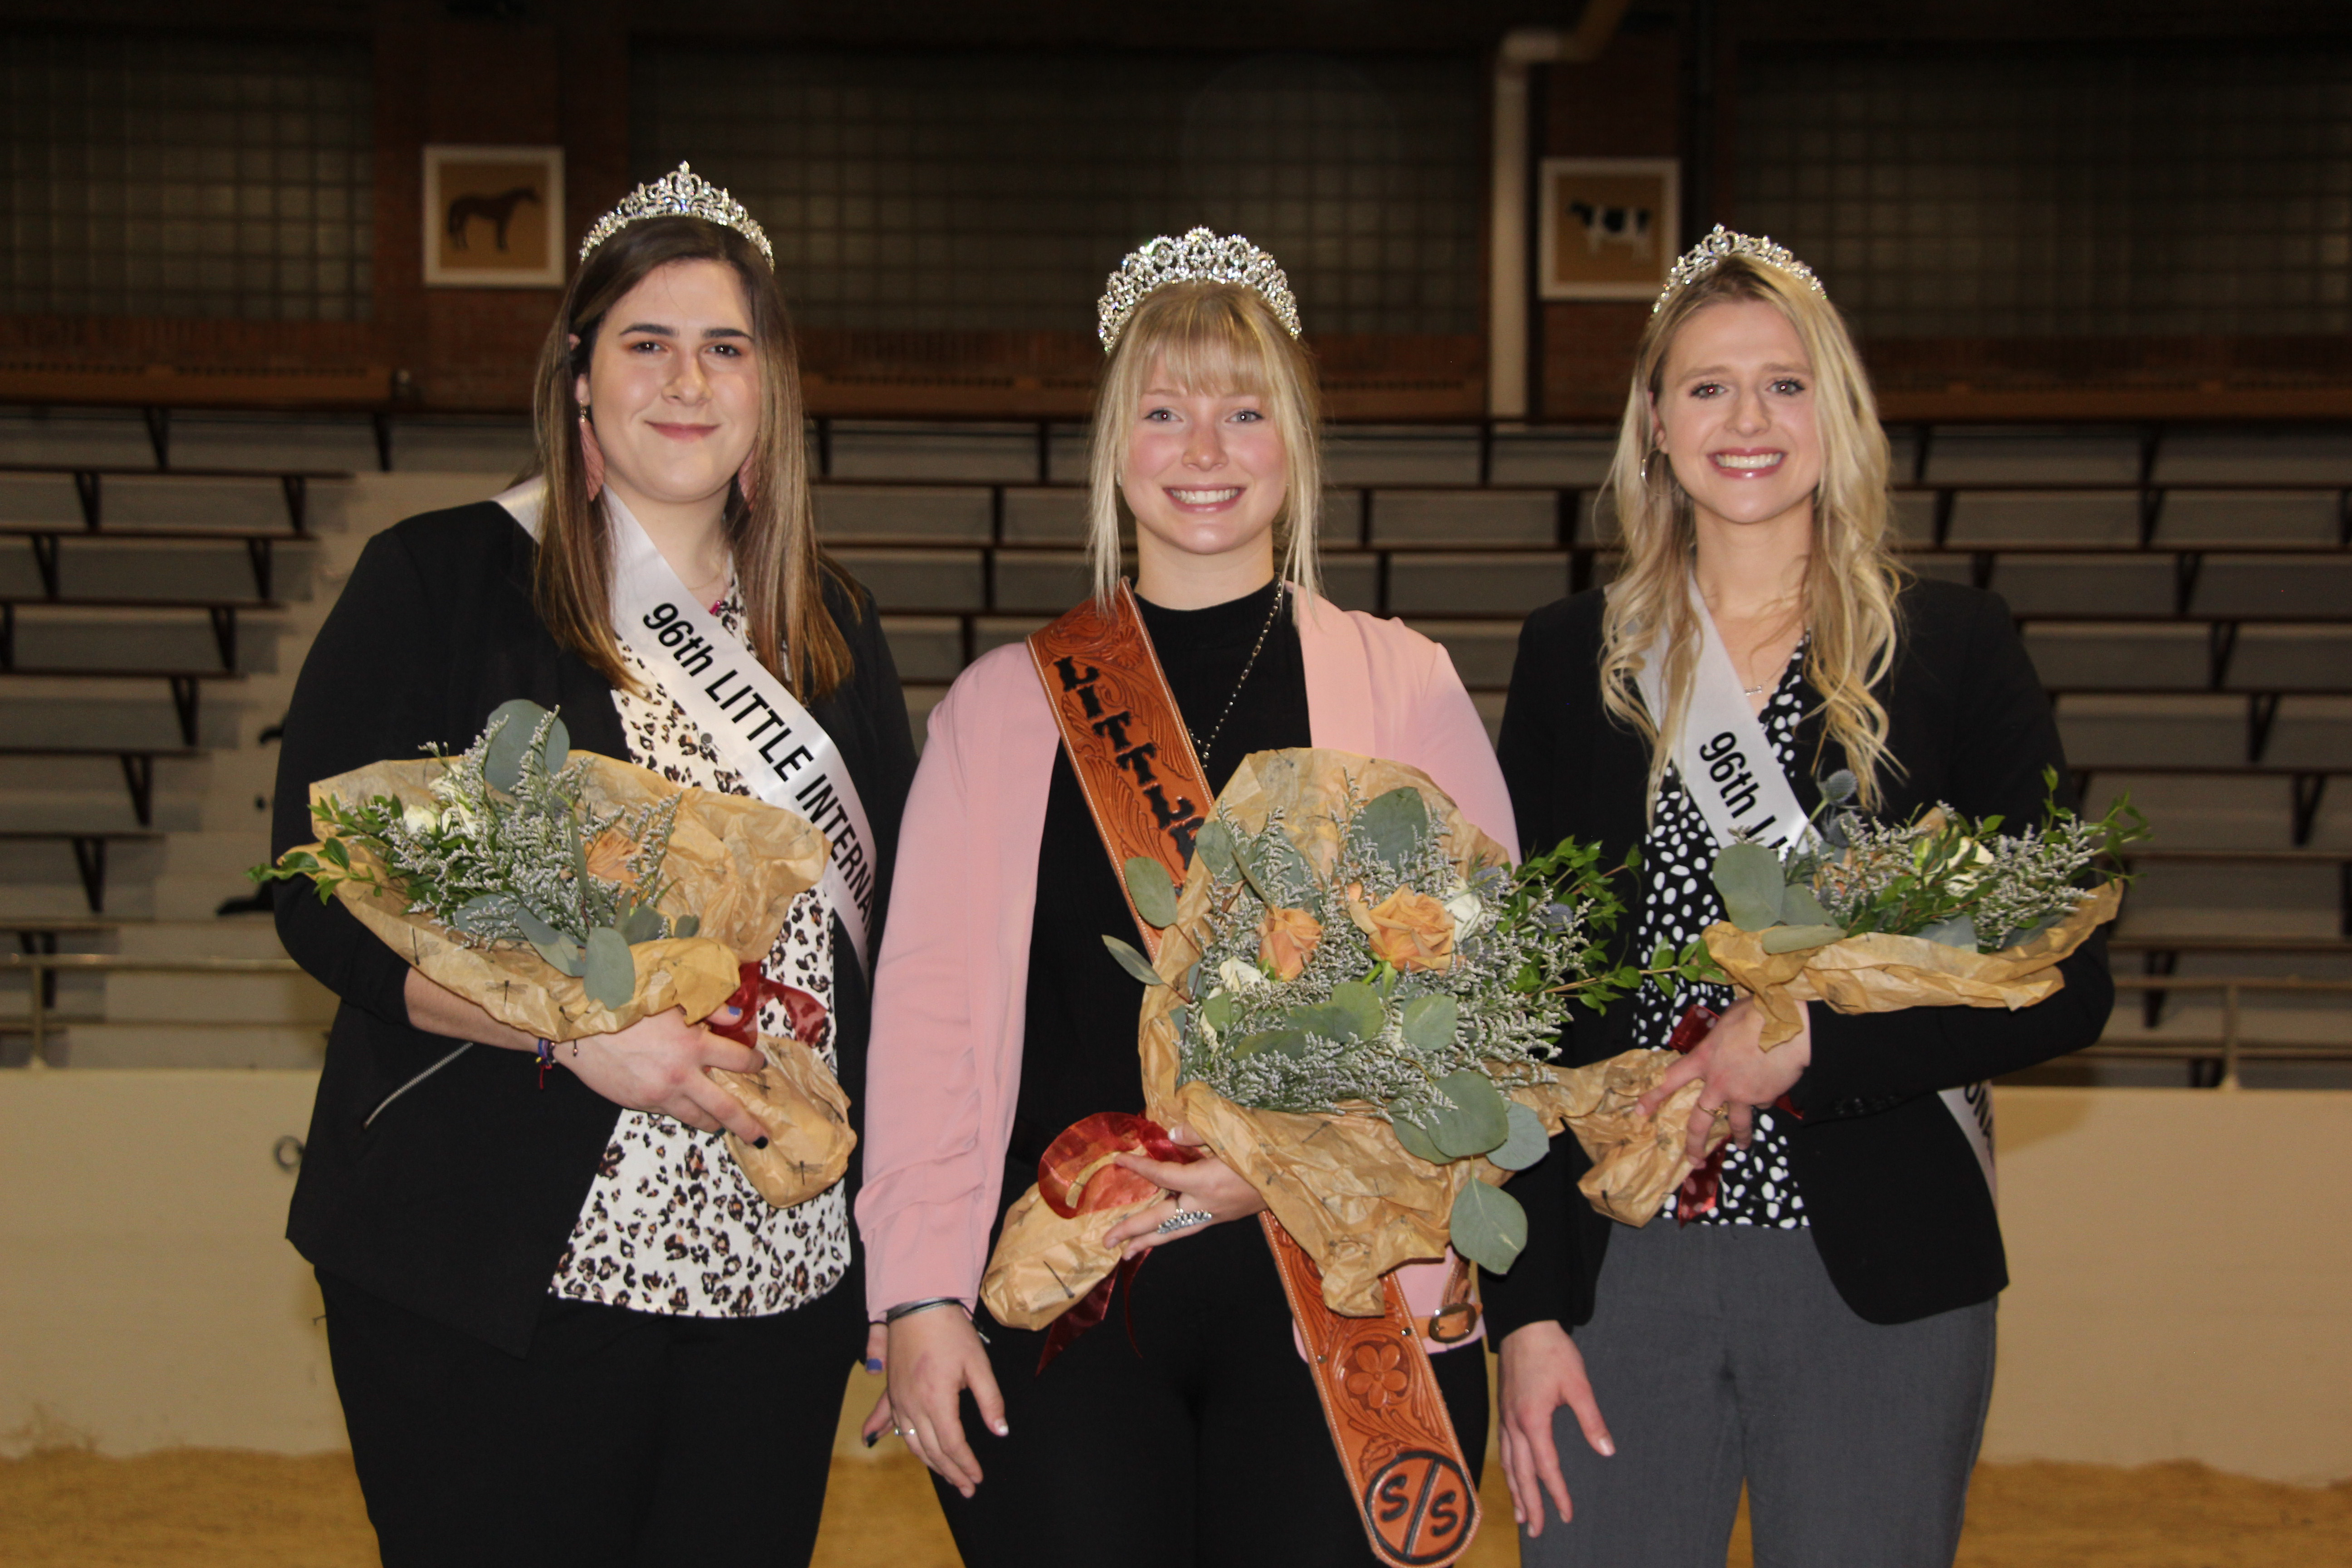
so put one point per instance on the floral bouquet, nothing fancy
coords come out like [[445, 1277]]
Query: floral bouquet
[[1940, 912], [1355, 1003], [570, 894]]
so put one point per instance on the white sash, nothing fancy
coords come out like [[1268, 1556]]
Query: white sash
[[757, 728], [1726, 767]]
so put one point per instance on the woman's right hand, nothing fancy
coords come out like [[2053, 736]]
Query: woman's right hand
[[657, 1065], [1541, 1369], [933, 1356]]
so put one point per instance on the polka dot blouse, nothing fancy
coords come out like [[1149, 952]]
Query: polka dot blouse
[[1679, 903]]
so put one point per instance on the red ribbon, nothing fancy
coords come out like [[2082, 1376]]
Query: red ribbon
[[803, 1013], [1075, 1176]]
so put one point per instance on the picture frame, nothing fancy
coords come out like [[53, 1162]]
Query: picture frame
[[494, 218], [1608, 228]]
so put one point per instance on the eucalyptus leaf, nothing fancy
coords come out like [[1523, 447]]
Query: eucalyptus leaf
[[1392, 825], [1213, 845], [643, 923], [1154, 894], [686, 926], [2019, 937], [1416, 1140], [1291, 1043], [1477, 1120], [1134, 963], [1528, 1142], [556, 750], [609, 974], [536, 930], [1362, 1001], [1488, 1226], [1430, 1022], [1797, 939], [1800, 906], [1217, 1011], [1960, 930], [563, 954], [1749, 878], [502, 762]]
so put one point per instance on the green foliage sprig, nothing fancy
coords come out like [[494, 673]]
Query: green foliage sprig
[[506, 857]]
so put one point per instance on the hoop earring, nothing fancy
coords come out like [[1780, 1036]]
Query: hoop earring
[[592, 457], [1645, 466]]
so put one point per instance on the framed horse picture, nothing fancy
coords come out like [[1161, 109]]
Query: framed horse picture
[[1608, 226], [494, 218]]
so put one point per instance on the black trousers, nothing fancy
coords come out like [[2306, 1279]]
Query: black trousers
[[623, 1440], [1200, 1441]]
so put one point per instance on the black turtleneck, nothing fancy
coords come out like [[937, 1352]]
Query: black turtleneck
[[1078, 1051]]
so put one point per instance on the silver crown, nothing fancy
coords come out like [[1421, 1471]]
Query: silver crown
[[1200, 254], [1701, 260], [681, 192]]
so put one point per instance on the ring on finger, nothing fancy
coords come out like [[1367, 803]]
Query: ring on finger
[[1184, 1219]]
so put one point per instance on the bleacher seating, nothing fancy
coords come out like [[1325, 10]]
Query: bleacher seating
[[2180, 590]]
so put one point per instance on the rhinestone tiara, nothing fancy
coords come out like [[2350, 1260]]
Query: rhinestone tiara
[[1701, 260], [1200, 254], [682, 192]]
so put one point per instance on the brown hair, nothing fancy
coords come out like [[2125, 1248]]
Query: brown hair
[[772, 538], [1217, 339], [1851, 577]]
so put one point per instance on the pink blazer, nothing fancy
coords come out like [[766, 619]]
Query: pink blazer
[[944, 1065]]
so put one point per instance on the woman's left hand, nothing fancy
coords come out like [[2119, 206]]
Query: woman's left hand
[[1208, 1185], [1741, 1076]]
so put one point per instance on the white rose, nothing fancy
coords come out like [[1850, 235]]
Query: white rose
[[419, 819], [1469, 914], [1961, 870], [457, 818], [1240, 974]]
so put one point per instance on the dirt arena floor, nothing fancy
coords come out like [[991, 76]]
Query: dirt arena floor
[[196, 1507]]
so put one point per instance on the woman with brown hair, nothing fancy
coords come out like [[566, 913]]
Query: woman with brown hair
[[1818, 1326], [564, 1327], [1187, 1428]]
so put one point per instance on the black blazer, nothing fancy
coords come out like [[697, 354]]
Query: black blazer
[[1898, 1207], [457, 1201]]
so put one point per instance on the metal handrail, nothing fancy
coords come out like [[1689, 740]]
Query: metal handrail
[[41, 965], [2232, 988]]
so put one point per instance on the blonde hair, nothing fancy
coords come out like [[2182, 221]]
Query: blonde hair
[[1852, 578], [771, 533], [1218, 339]]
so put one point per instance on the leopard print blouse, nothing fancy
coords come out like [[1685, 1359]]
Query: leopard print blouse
[[671, 1224]]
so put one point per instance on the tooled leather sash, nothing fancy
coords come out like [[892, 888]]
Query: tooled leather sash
[[1134, 762]]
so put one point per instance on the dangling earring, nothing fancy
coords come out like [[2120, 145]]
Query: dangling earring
[[591, 456], [1646, 465]]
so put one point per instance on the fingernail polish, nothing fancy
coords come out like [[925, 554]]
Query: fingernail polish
[[758, 1142], [1001, 1430], [873, 1364], [870, 1439], [1607, 1449]]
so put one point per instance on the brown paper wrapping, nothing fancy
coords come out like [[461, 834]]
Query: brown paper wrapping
[[1879, 974], [1341, 1183], [735, 862], [806, 1115]]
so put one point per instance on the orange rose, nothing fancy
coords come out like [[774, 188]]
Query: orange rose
[[1285, 939], [609, 856], [1409, 930]]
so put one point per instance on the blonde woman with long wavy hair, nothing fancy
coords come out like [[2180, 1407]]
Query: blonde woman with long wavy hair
[[1813, 1317], [1186, 1429]]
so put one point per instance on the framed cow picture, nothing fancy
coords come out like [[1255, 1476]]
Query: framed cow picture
[[494, 218], [1607, 226]]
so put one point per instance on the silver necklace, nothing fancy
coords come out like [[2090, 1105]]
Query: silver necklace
[[1203, 747]]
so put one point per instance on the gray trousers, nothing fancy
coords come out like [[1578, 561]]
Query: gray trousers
[[1722, 1353]]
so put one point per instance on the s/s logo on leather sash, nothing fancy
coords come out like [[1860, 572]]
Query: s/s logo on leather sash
[[1124, 738]]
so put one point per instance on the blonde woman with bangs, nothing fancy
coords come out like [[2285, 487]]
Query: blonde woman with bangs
[[1813, 1317], [1187, 1429]]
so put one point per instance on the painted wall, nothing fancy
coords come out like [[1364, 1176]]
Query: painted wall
[[2182, 1289]]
